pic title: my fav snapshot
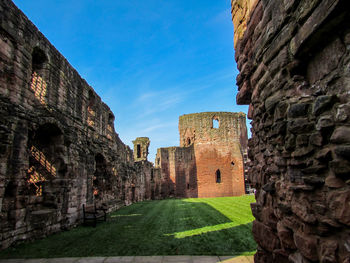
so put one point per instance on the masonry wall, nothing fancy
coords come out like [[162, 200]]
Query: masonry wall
[[58, 145], [216, 149], [206, 154], [294, 64], [178, 167]]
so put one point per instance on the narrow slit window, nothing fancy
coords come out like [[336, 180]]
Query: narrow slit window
[[218, 176], [138, 151]]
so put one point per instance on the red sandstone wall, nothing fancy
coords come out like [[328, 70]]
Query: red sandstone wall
[[213, 156], [216, 149], [294, 61], [178, 167]]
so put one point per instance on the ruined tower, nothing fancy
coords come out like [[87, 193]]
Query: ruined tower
[[219, 140], [209, 161], [141, 145]]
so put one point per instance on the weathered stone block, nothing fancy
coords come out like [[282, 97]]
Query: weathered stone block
[[272, 101], [300, 125], [286, 236], [343, 151], [301, 208], [325, 122], [297, 258], [340, 168], [307, 245], [334, 182], [323, 103], [339, 204], [329, 251], [298, 110], [341, 135], [265, 236]]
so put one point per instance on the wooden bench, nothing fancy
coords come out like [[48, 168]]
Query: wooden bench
[[91, 214]]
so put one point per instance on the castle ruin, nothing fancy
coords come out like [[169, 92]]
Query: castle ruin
[[59, 149], [209, 161], [58, 145]]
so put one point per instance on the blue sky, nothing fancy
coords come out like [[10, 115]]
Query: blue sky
[[149, 60]]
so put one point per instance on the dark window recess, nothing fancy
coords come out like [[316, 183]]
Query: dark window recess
[[218, 176], [138, 151], [38, 59], [10, 190], [188, 186], [188, 141], [152, 175], [232, 163]]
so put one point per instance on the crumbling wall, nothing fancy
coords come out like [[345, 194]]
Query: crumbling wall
[[178, 167], [209, 161], [218, 152], [294, 64], [58, 146], [141, 145]]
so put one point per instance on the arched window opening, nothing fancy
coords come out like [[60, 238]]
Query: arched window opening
[[152, 175], [38, 85], [46, 155], [188, 141], [215, 123], [232, 164], [218, 176], [138, 151], [188, 186]]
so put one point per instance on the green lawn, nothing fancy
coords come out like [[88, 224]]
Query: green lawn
[[203, 226]]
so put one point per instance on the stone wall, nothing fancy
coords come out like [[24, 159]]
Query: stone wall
[[58, 146], [209, 161], [218, 151], [178, 167], [141, 145], [294, 64]]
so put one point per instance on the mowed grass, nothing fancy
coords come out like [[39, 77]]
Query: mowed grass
[[201, 226]]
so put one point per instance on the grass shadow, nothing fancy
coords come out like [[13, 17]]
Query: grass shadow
[[213, 226]]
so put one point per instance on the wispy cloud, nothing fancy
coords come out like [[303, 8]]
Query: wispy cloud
[[156, 127]]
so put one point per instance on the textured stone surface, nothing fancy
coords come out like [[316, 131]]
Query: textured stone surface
[[293, 58], [58, 146], [192, 168]]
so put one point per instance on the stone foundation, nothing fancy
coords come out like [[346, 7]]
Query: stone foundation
[[294, 62]]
